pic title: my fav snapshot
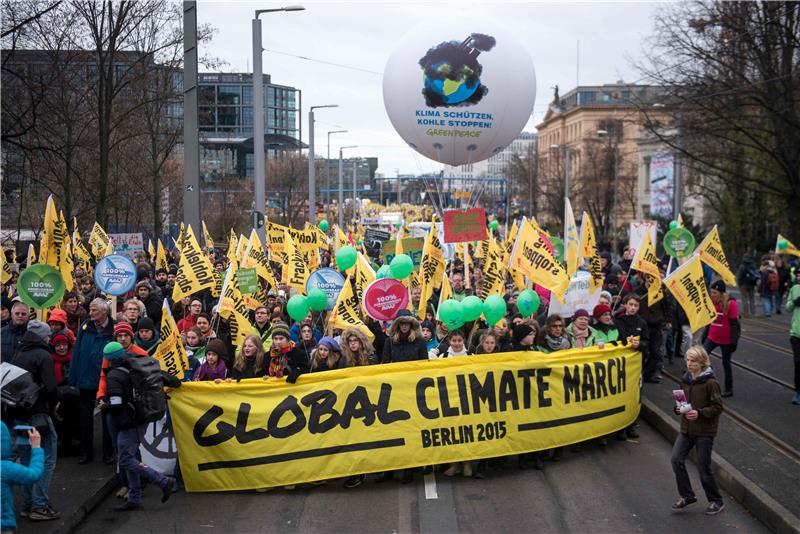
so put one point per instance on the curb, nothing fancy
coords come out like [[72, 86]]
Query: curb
[[766, 509], [91, 502]]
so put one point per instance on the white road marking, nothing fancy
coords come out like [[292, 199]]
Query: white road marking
[[430, 486]]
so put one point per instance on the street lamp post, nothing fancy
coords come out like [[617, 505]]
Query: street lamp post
[[312, 168], [341, 185], [328, 172], [259, 176]]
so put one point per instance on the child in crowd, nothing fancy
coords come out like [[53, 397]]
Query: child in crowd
[[213, 368]]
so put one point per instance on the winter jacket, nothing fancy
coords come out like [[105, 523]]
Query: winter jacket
[[605, 333], [249, 370], [703, 394], [34, 356], [294, 333], [101, 386], [591, 339], [747, 275], [87, 355], [120, 395], [10, 338], [186, 323], [14, 474], [149, 346], [152, 306], [793, 306], [290, 362], [658, 314], [404, 350], [74, 320], [207, 372], [634, 325]]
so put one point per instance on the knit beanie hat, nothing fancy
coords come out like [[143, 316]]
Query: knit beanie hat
[[146, 323], [330, 343], [59, 338], [580, 312], [58, 315], [113, 351], [218, 347], [280, 329], [520, 332], [39, 328], [600, 309], [123, 327], [429, 325]]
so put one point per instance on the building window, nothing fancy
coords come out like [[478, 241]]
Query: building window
[[206, 116], [229, 95], [228, 116], [247, 95], [206, 95], [247, 116]]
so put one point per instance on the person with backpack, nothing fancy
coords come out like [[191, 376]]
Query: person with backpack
[[34, 357], [135, 398], [747, 278], [768, 288], [724, 331]]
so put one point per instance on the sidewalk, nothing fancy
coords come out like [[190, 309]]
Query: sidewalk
[[74, 491]]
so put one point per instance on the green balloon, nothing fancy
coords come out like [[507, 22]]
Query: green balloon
[[673, 224], [494, 225], [317, 299], [472, 308], [346, 258], [383, 272], [783, 244], [397, 226], [450, 312], [494, 309], [528, 303], [401, 266], [360, 242], [297, 307], [558, 247], [324, 225], [453, 325]]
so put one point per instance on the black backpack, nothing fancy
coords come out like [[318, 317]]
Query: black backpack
[[19, 389], [149, 399]]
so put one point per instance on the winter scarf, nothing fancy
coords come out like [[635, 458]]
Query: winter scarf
[[556, 343], [277, 359], [61, 364], [581, 334]]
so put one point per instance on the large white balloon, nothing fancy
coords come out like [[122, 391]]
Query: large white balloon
[[458, 92]]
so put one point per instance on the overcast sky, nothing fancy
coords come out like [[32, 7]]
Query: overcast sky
[[363, 35]]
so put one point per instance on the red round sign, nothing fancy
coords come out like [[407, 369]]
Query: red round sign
[[384, 297]]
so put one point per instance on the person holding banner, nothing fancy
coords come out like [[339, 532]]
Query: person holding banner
[[697, 430], [327, 356], [579, 332], [404, 342], [605, 329], [724, 331], [552, 338], [285, 359], [249, 359], [356, 348]]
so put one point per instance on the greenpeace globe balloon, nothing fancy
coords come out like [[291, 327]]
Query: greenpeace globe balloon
[[459, 92]]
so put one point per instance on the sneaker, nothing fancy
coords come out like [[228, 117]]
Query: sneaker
[[44, 514], [796, 399], [122, 493], [683, 503], [128, 506], [467, 470], [166, 491], [714, 508], [24, 513], [631, 433], [727, 393], [354, 481]]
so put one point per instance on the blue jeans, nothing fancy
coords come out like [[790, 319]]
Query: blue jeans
[[35, 495], [727, 355], [135, 470], [766, 301], [702, 446]]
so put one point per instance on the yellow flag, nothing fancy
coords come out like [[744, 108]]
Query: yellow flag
[[688, 285], [365, 275], [241, 248], [532, 258], [790, 248], [276, 238], [511, 237], [340, 241], [161, 256], [98, 241], [232, 244], [589, 251], [398, 242], [232, 307], [50, 221], [207, 236], [571, 240], [431, 268], [255, 257], [31, 258], [646, 262], [297, 267], [680, 221], [5, 274], [181, 237], [151, 250], [494, 272], [194, 269], [345, 312], [66, 263], [711, 254], [170, 353]]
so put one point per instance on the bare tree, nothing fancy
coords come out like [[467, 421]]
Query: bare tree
[[288, 177], [731, 73]]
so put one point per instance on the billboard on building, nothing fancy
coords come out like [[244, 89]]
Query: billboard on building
[[662, 185]]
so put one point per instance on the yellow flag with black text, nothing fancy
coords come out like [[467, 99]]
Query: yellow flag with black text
[[431, 268], [532, 258], [297, 267], [207, 236], [5, 273], [345, 312], [256, 257], [571, 240], [98, 241], [589, 252], [194, 269], [161, 256], [788, 249], [711, 253], [365, 275], [688, 285], [646, 262], [170, 351], [494, 272]]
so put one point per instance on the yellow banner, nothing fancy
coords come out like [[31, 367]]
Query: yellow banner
[[297, 267], [365, 275], [207, 236], [256, 257], [532, 258], [688, 285], [98, 240], [255, 433], [66, 263], [790, 248], [345, 312], [276, 236], [571, 240], [49, 223], [494, 272], [161, 257], [431, 269], [194, 269], [711, 254], [5, 272], [646, 262]]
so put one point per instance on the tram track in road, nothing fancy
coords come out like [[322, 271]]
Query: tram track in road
[[762, 374], [754, 428]]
